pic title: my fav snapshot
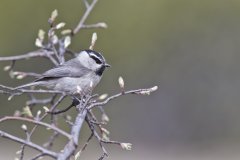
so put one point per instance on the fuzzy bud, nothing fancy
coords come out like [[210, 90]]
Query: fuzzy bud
[[21, 76], [105, 131], [60, 25], [67, 41], [77, 155], [103, 96], [7, 68], [24, 127], [27, 111], [94, 39], [126, 146], [102, 24], [38, 43], [41, 34], [105, 118], [121, 82], [45, 108], [66, 31], [53, 16]]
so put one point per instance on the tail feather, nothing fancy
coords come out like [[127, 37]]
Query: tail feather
[[28, 85]]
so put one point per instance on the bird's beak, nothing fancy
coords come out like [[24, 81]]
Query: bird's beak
[[107, 65]]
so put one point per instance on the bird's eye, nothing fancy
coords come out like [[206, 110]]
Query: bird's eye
[[96, 60]]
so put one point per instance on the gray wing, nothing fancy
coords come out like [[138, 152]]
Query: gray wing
[[71, 68]]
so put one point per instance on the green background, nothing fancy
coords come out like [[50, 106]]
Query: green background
[[189, 48]]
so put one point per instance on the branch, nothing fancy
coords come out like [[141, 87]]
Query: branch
[[146, 91], [71, 146], [84, 17], [28, 143], [38, 123], [33, 54], [97, 25]]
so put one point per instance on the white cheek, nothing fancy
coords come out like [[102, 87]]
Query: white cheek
[[84, 59]]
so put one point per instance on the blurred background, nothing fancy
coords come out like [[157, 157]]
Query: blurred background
[[189, 48]]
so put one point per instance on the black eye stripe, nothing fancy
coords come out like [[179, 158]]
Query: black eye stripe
[[96, 60]]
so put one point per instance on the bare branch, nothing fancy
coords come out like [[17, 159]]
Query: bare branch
[[84, 17], [28, 143], [146, 91], [33, 54], [51, 109], [105, 154], [38, 123]]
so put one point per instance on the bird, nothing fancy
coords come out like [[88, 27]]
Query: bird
[[77, 76]]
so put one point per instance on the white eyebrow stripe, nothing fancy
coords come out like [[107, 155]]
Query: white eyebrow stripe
[[94, 55]]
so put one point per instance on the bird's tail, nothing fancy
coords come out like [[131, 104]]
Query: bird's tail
[[28, 85]]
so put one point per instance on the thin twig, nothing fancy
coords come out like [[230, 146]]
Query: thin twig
[[38, 123], [105, 154], [51, 109], [28, 143], [97, 25], [84, 17], [146, 91], [38, 156], [37, 53], [86, 143], [22, 151], [62, 111]]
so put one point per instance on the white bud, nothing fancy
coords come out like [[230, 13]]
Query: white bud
[[45, 108], [27, 111], [60, 25], [67, 41], [102, 24], [53, 16], [126, 146], [105, 131], [38, 113], [17, 113], [41, 34], [24, 127], [105, 137], [77, 155], [103, 96], [7, 68], [121, 82], [153, 88], [105, 118], [66, 31], [54, 39], [94, 38], [68, 117], [21, 76], [10, 98], [38, 43]]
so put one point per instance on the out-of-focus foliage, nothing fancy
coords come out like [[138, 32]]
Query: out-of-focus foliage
[[188, 47]]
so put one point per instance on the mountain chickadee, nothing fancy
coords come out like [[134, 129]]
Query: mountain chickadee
[[76, 76]]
